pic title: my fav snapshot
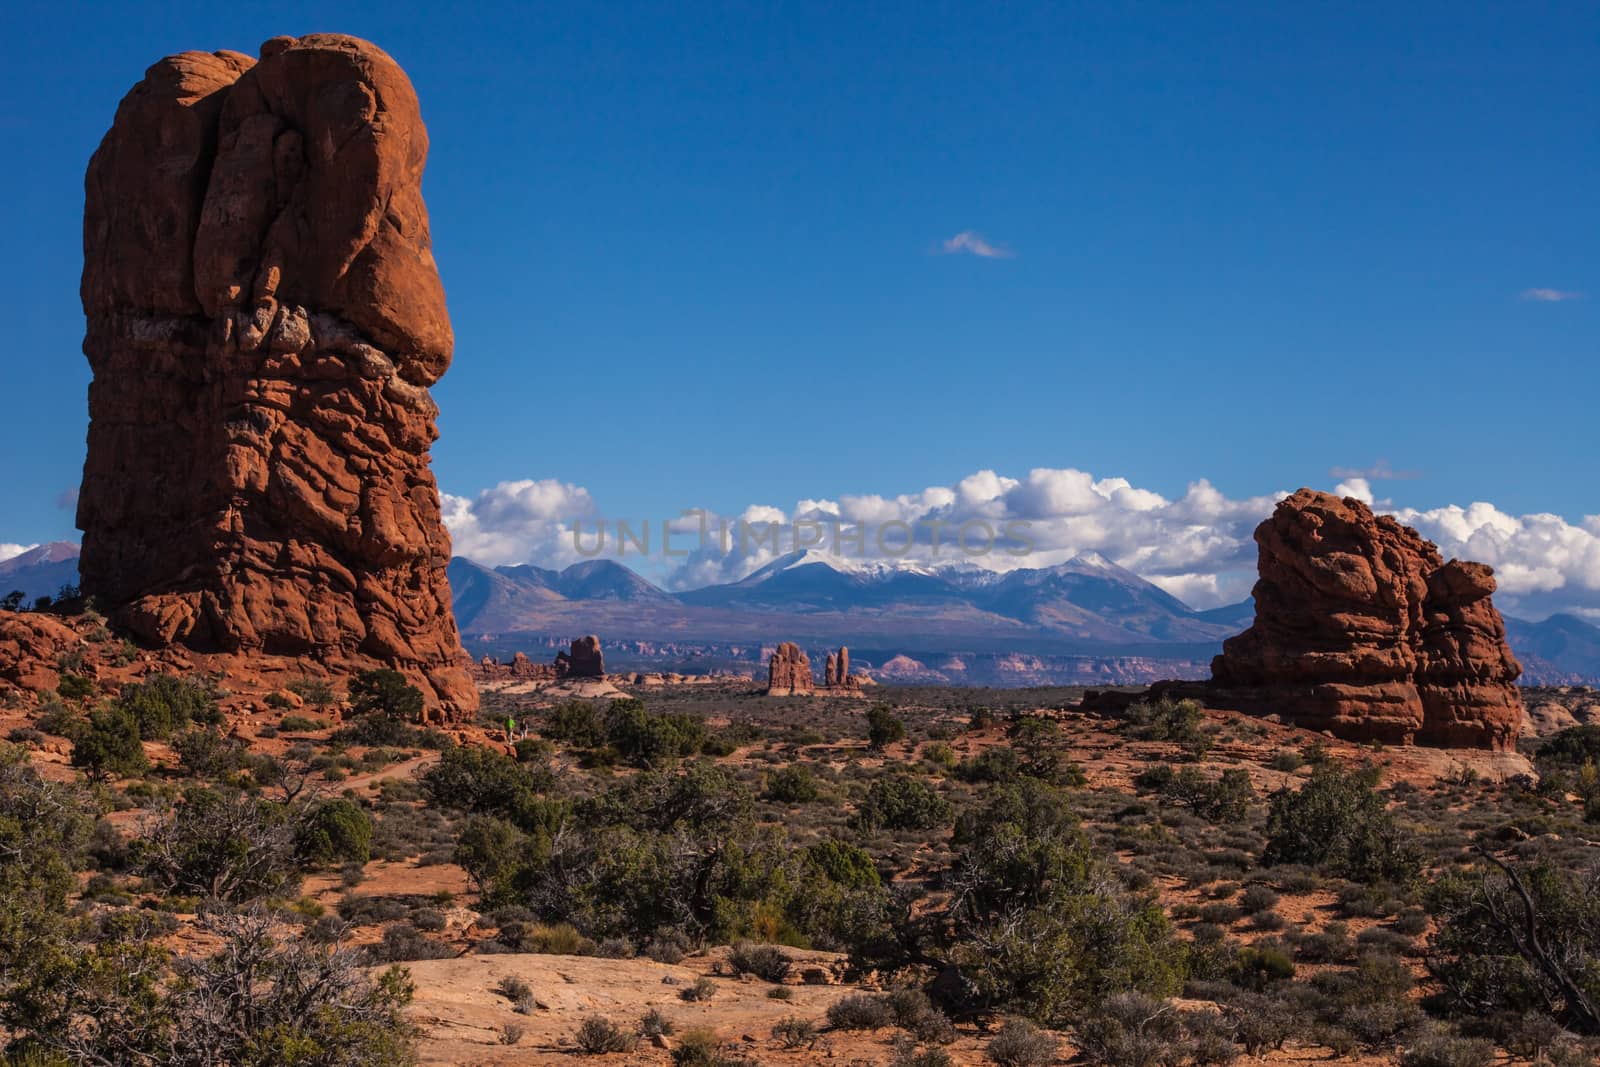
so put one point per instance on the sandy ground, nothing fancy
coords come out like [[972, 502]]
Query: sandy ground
[[465, 1020]]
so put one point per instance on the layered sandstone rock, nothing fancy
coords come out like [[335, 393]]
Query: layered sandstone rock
[[836, 675], [1362, 629], [585, 660], [789, 672], [264, 321]]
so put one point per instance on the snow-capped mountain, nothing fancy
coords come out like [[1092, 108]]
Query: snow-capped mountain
[[1087, 602], [40, 571]]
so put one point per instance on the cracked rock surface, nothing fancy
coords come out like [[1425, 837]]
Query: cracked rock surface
[[1362, 629], [264, 322]]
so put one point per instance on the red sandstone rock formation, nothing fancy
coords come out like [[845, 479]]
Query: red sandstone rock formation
[[789, 672], [836, 675], [584, 661], [520, 669], [264, 321], [1362, 629], [32, 645]]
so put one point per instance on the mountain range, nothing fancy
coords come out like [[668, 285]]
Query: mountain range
[[40, 571], [1085, 620]]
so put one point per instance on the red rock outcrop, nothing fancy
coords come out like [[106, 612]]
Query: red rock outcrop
[[520, 669], [789, 672], [1362, 629], [585, 660], [264, 321], [32, 646], [836, 675]]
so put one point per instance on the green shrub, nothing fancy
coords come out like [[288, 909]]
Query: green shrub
[[843, 863], [223, 844], [1180, 721], [901, 802], [1286, 761], [385, 692], [1226, 798], [795, 784], [335, 831], [75, 687], [297, 724], [1518, 938], [59, 719], [109, 745], [1040, 927], [493, 853], [575, 723], [163, 703], [644, 739], [316, 692], [487, 782], [1256, 967], [1336, 821], [883, 729]]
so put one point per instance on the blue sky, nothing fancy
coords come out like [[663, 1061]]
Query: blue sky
[[694, 254]]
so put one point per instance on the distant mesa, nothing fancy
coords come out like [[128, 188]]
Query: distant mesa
[[582, 659], [789, 674], [520, 669], [1364, 631], [264, 322]]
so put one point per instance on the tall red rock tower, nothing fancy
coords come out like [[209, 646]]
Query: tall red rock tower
[[264, 322], [789, 672], [1364, 630]]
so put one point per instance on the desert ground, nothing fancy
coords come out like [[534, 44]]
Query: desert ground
[[535, 929]]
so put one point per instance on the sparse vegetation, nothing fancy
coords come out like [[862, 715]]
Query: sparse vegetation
[[983, 875], [598, 1036]]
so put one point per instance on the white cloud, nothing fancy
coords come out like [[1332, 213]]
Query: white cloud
[[519, 522], [10, 551], [1550, 296], [1359, 488], [1542, 563], [974, 244], [1198, 546]]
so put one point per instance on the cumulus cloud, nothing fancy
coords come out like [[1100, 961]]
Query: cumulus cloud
[[1196, 546], [11, 551], [1359, 488], [974, 244], [1543, 563], [524, 521], [1550, 296]]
